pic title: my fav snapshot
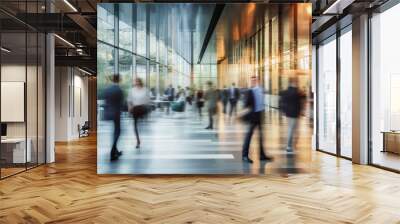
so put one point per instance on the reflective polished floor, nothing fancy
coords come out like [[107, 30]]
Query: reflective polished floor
[[386, 159], [178, 143]]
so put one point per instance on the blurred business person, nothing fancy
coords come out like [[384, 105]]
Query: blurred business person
[[170, 95], [234, 96], [255, 104], [113, 103], [189, 95], [138, 101], [224, 96], [211, 98], [200, 101], [291, 101]]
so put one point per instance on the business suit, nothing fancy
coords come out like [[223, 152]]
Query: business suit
[[170, 93], [234, 96], [211, 97], [290, 103], [255, 103], [224, 95], [113, 100]]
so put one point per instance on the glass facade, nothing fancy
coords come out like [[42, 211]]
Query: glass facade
[[334, 98], [335, 75], [277, 48], [385, 87], [346, 92], [141, 40], [327, 95], [22, 63]]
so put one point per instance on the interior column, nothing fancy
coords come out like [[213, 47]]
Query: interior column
[[360, 90]]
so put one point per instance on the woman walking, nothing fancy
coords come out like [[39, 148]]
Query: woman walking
[[138, 99]]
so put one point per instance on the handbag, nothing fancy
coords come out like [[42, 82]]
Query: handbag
[[200, 103]]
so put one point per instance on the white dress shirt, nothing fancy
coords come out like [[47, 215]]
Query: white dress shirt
[[138, 96]]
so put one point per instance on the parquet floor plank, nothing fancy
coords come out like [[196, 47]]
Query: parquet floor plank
[[70, 191]]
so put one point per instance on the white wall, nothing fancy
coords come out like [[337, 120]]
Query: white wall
[[33, 126], [12, 73], [71, 102]]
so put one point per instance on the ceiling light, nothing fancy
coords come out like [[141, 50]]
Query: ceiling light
[[84, 71], [70, 5], [5, 50], [309, 9], [64, 40], [333, 6], [337, 7]]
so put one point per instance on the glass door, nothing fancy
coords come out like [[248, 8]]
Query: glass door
[[346, 93], [327, 96], [16, 151]]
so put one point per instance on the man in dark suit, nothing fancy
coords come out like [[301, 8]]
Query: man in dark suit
[[291, 101], [224, 95], [170, 94], [113, 100], [234, 96], [255, 103]]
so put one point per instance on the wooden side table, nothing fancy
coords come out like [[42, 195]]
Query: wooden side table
[[391, 141]]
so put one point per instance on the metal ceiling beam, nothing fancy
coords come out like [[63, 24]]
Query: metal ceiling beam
[[49, 22], [81, 61], [337, 7], [86, 26], [213, 23], [320, 22]]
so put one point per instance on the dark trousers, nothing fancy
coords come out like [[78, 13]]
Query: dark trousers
[[211, 113], [225, 104], [169, 106], [117, 133], [233, 103], [135, 124], [256, 122], [200, 111]]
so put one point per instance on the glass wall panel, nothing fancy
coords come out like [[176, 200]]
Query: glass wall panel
[[105, 23], [23, 91], [275, 56], [14, 153], [141, 34], [346, 94], [153, 32], [125, 70], [162, 84], [105, 64], [153, 78], [385, 84], [327, 96], [125, 26], [141, 68], [32, 98]]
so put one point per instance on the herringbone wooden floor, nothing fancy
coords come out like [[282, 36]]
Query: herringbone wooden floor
[[70, 191]]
